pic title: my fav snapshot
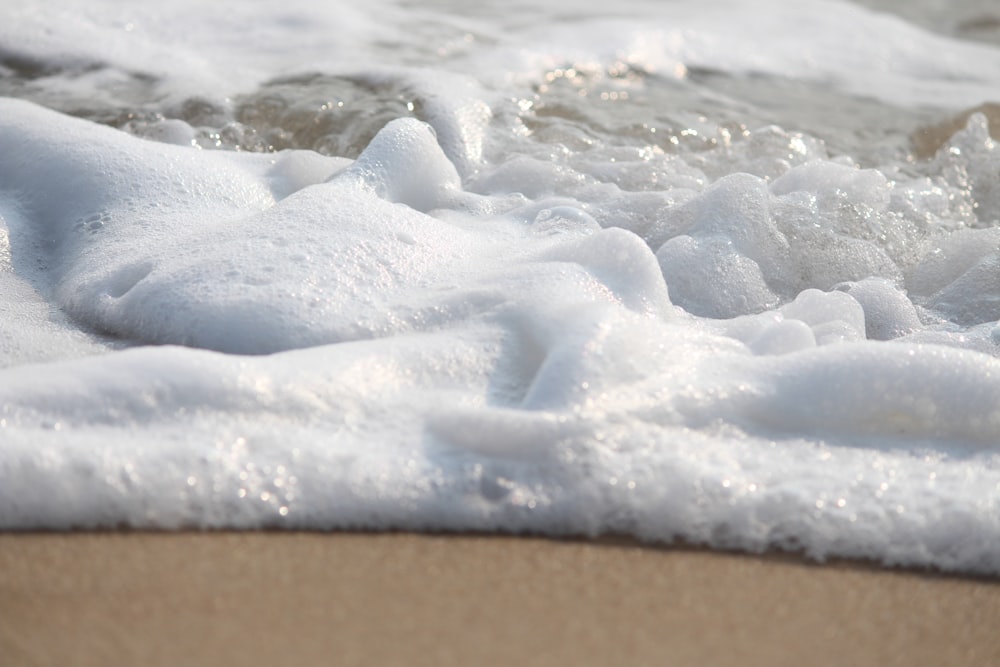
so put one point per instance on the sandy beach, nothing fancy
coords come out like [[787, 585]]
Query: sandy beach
[[383, 599]]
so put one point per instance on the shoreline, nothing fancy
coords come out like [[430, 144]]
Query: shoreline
[[218, 598]]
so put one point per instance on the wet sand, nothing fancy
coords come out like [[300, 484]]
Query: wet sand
[[386, 599]]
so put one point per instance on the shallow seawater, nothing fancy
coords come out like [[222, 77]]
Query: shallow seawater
[[726, 273]]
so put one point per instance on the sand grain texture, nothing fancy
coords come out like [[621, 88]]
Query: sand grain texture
[[360, 599]]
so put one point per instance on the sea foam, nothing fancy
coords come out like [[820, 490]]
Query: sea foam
[[533, 302]]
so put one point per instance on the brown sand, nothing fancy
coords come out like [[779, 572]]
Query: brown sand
[[353, 599]]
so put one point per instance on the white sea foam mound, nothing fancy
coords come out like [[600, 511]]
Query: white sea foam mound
[[512, 307]]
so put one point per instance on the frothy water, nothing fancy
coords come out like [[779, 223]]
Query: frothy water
[[717, 273]]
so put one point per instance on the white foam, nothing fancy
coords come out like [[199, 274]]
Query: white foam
[[499, 319], [189, 44]]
